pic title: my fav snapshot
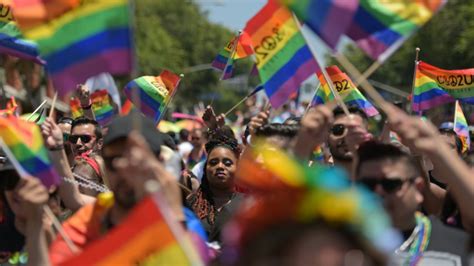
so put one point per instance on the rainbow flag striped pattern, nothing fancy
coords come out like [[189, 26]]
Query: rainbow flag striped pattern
[[225, 59], [101, 106], [10, 108], [79, 41], [283, 58], [143, 238], [154, 93], [435, 86], [380, 27], [346, 89], [11, 39], [26, 144], [461, 127], [329, 19]]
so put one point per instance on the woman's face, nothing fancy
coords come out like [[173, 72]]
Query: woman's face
[[220, 168]]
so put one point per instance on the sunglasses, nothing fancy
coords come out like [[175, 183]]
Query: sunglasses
[[388, 185], [84, 138], [338, 130]]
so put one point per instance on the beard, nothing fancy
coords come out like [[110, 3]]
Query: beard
[[340, 152]]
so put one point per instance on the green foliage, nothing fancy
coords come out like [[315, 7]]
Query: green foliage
[[176, 34]]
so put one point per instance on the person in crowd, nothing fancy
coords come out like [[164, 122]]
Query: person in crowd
[[65, 124], [396, 178], [277, 135], [86, 140], [184, 146], [198, 153], [216, 198]]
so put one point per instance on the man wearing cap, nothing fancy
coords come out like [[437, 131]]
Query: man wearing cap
[[131, 153]]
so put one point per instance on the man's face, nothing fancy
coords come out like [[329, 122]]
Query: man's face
[[392, 181], [83, 138], [337, 144], [119, 184], [197, 138]]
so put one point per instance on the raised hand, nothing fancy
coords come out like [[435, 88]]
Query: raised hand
[[356, 133], [83, 94], [258, 121], [52, 134], [211, 120]]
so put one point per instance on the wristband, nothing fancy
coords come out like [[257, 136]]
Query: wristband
[[57, 148]]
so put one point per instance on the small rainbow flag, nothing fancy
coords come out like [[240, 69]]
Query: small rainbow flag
[[461, 127], [101, 107], [25, 142], [329, 19], [10, 108], [103, 43], [154, 93], [435, 86], [380, 27], [145, 237], [346, 89], [284, 60], [225, 60], [126, 108], [11, 40]]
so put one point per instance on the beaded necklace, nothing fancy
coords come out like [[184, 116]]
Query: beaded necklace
[[418, 240]]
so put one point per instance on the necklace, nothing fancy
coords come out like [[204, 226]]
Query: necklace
[[418, 240]]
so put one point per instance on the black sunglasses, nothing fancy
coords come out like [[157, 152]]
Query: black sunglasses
[[389, 185], [84, 138], [338, 129]]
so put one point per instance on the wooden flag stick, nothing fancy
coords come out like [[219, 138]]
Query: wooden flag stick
[[314, 95], [36, 110], [368, 88], [232, 53], [60, 229], [413, 84], [53, 104], [323, 70], [369, 71], [236, 105]]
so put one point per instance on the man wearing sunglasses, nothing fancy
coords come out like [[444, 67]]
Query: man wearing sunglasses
[[394, 176]]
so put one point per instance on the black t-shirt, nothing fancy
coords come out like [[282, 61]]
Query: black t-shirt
[[447, 246]]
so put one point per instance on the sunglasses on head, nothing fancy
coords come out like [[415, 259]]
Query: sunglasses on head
[[84, 138], [338, 129], [388, 185]]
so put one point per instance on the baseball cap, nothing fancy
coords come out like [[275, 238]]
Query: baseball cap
[[121, 127]]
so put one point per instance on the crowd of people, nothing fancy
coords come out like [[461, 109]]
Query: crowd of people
[[258, 196]]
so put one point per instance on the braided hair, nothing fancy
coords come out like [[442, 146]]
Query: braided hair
[[202, 202]]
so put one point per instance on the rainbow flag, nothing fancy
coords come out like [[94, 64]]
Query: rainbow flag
[[11, 39], [284, 60], [461, 127], [329, 19], [346, 89], [25, 142], [380, 27], [435, 86], [101, 107], [154, 93], [126, 108], [10, 108], [145, 237], [103, 43], [225, 57]]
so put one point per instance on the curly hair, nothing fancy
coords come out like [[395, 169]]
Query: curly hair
[[202, 201]]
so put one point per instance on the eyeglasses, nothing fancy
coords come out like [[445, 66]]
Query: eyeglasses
[[338, 130], [84, 138], [389, 185], [65, 137]]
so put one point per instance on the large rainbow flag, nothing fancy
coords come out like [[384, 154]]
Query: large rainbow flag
[[11, 39], [152, 93], [225, 59], [329, 19], [284, 60], [91, 38], [25, 142], [346, 89], [380, 27], [461, 127], [143, 238], [435, 86]]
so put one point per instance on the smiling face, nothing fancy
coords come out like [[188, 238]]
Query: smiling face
[[337, 144], [220, 168]]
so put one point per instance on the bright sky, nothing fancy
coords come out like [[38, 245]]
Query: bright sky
[[231, 13]]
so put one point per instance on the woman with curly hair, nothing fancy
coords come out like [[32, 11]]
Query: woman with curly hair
[[215, 200]]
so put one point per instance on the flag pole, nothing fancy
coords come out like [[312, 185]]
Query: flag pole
[[51, 111], [323, 69], [314, 95], [369, 71], [36, 110], [255, 91], [232, 53], [417, 52]]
